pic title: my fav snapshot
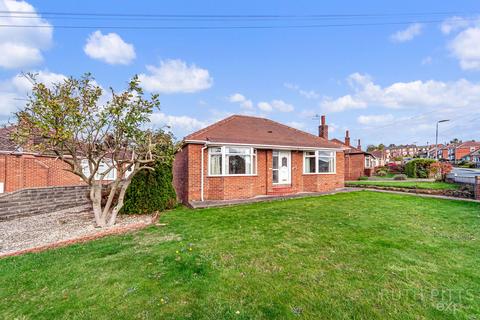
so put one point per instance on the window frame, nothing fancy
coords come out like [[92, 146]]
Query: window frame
[[317, 156], [224, 168]]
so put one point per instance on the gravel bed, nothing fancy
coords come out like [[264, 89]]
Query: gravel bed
[[44, 229]]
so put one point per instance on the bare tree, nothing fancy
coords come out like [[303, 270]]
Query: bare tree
[[105, 144]]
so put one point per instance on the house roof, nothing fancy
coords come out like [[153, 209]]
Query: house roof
[[468, 144], [474, 153], [378, 153], [349, 149], [6, 142], [257, 131]]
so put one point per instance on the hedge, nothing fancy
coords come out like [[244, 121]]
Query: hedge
[[418, 168], [150, 191]]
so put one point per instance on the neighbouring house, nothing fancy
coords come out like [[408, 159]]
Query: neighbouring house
[[442, 152], [358, 163], [457, 151], [473, 157], [402, 151], [380, 158], [20, 169], [244, 157]]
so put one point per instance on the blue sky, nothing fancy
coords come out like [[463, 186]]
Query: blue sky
[[388, 82]]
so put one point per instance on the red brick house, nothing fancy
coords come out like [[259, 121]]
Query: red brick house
[[358, 163], [458, 151], [244, 157], [20, 169]]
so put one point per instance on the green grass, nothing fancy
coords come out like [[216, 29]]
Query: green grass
[[406, 184], [389, 175], [360, 255]]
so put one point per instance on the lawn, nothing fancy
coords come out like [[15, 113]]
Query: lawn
[[361, 255], [406, 184]]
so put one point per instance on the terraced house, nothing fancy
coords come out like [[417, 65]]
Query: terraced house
[[244, 157]]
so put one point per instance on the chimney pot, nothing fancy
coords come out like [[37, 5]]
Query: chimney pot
[[359, 146], [323, 129], [347, 138]]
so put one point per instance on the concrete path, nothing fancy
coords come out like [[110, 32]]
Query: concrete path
[[225, 203]]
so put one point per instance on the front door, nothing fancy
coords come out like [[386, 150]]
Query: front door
[[281, 167]]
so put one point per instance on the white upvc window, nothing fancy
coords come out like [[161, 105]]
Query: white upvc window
[[232, 161], [368, 162], [103, 167], [319, 162]]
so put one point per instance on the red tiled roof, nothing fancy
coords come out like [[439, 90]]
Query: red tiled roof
[[469, 144], [258, 131], [6, 142], [349, 149]]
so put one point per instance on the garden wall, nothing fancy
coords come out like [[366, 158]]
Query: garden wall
[[28, 202]]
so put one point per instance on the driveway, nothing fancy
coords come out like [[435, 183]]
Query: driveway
[[464, 172]]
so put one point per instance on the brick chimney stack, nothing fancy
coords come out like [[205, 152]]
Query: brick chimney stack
[[359, 146], [347, 138], [323, 129]]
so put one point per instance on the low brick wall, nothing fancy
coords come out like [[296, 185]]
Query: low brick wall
[[466, 192], [27, 202], [477, 187]]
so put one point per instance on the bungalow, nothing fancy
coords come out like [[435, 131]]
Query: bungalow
[[20, 168], [244, 157], [358, 163]]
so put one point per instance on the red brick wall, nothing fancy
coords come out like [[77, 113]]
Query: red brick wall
[[27, 171], [354, 166], [180, 174], [187, 178], [477, 187], [461, 152]]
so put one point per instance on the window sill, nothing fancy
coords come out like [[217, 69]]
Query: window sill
[[315, 173], [232, 175]]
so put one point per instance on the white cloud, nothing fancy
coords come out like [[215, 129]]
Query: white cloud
[[277, 105], [297, 125], [414, 94], [183, 124], [427, 60], [466, 48], [109, 48], [240, 98], [265, 106], [375, 119], [175, 76], [15, 90], [455, 23], [407, 34], [21, 47], [309, 94], [342, 103]]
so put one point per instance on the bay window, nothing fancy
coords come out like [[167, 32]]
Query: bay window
[[225, 161], [319, 161]]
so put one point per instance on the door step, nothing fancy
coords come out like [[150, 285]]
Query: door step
[[281, 191]]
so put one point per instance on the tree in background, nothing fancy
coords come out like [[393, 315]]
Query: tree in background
[[102, 143]]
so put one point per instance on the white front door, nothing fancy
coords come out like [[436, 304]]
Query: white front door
[[281, 167]]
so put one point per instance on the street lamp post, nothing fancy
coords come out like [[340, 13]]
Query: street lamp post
[[436, 138]]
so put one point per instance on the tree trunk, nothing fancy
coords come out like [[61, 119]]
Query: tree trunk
[[119, 205], [96, 199]]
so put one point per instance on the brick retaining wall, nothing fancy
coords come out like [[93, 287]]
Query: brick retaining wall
[[28, 202], [477, 187]]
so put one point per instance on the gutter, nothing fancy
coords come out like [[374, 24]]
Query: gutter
[[201, 172], [264, 146]]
